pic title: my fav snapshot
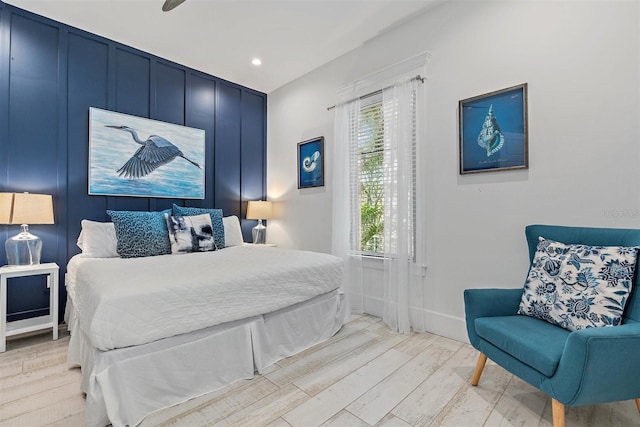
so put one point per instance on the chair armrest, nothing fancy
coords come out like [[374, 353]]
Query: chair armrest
[[489, 303], [599, 365]]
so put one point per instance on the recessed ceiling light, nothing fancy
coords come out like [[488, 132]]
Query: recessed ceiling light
[[256, 61]]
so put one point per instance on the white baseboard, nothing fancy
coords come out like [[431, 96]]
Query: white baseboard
[[434, 322], [443, 324]]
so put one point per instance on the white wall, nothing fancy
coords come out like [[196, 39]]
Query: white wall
[[581, 61]]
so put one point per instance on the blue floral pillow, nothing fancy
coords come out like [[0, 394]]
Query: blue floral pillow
[[190, 233], [216, 220], [141, 233], [579, 286]]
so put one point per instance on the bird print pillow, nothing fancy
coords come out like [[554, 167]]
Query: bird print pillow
[[190, 233], [579, 286]]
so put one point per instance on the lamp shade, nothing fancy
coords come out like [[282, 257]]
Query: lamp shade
[[259, 210], [6, 206], [26, 208]]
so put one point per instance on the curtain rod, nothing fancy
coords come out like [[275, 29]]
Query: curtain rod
[[418, 77]]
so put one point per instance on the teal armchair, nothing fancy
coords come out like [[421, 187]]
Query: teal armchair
[[584, 367]]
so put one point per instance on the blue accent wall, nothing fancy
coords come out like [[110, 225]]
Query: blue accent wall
[[50, 74]]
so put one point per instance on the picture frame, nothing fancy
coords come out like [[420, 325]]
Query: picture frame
[[311, 163], [493, 131], [139, 157]]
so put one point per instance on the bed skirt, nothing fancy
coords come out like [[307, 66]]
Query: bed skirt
[[125, 385]]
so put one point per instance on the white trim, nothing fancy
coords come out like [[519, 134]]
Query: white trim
[[437, 323], [384, 77], [442, 324], [376, 262]]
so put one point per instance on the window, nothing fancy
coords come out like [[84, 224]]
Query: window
[[379, 190], [369, 158], [374, 165]]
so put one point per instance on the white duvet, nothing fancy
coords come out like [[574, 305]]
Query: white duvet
[[125, 302]]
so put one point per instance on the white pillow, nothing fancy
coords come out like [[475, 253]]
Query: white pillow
[[232, 231], [98, 239]]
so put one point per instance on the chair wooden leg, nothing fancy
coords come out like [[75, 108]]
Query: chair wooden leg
[[557, 409], [482, 359], [638, 404]]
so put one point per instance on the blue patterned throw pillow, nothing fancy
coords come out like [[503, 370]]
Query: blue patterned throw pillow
[[141, 233], [216, 220], [579, 286], [190, 233]]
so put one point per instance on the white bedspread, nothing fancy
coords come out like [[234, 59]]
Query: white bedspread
[[125, 302]]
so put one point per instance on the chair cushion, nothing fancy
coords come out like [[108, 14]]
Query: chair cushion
[[579, 286], [532, 341]]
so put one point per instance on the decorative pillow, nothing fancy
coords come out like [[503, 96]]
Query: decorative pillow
[[98, 239], [190, 233], [216, 220], [578, 286], [232, 231], [140, 233]]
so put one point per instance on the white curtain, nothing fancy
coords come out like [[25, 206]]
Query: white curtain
[[399, 103], [346, 205], [403, 240]]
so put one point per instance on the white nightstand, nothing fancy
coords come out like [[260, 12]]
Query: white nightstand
[[8, 329]]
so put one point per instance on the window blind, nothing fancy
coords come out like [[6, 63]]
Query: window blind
[[371, 170]]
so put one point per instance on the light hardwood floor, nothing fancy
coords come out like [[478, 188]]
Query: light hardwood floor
[[363, 376]]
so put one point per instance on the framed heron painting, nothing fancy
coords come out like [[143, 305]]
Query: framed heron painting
[[493, 131], [134, 156], [311, 163]]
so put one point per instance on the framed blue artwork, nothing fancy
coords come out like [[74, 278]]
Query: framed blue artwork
[[311, 163], [134, 156], [493, 131]]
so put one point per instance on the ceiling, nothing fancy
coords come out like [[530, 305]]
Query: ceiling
[[221, 37]]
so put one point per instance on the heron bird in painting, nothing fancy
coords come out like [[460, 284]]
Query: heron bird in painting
[[153, 153]]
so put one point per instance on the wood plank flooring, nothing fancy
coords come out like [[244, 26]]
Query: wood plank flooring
[[364, 376]]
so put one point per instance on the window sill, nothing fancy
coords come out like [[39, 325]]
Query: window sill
[[376, 262], [373, 262]]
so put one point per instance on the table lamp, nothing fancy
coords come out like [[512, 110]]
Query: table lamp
[[25, 208], [259, 210]]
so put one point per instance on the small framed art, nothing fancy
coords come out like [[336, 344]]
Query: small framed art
[[493, 131], [311, 163]]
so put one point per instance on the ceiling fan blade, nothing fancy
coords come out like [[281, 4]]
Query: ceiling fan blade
[[171, 4]]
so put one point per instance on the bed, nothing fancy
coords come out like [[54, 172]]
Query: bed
[[152, 332]]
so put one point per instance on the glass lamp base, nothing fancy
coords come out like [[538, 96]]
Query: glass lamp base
[[259, 234], [24, 248]]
